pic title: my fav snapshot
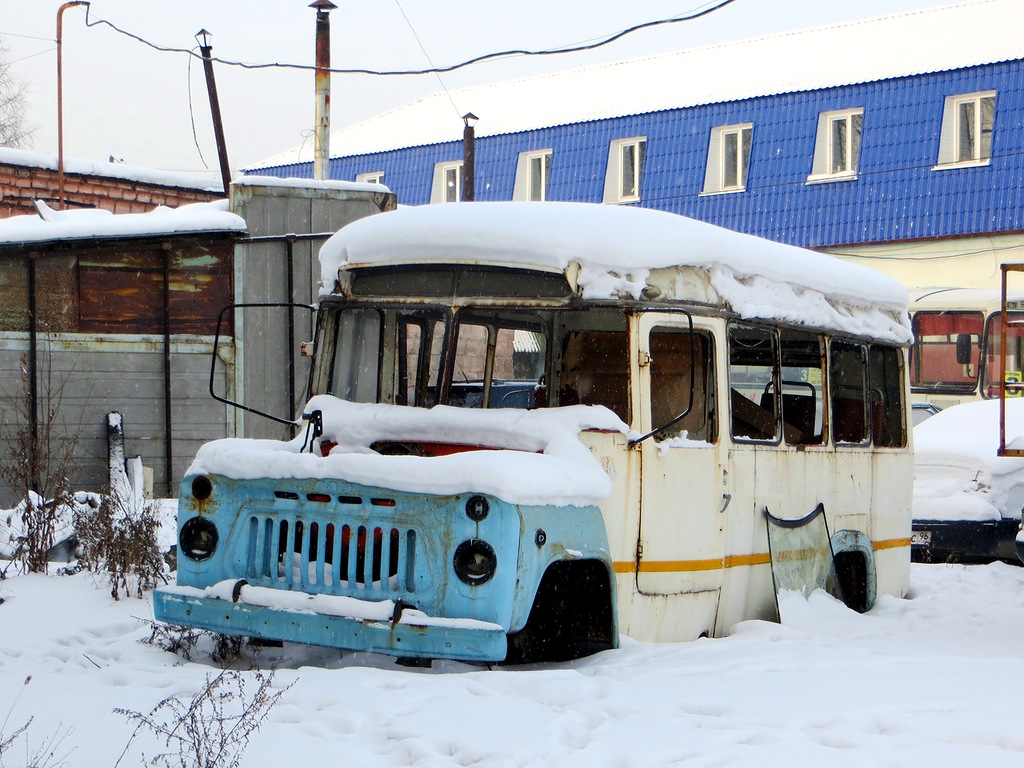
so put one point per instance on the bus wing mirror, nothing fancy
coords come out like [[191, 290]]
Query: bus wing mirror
[[963, 349], [281, 373]]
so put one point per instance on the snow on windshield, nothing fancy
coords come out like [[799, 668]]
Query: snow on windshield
[[532, 457], [958, 475], [616, 248]]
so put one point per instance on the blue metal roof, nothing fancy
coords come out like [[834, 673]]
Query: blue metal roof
[[896, 194]]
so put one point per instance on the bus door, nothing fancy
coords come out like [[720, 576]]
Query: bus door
[[681, 541]]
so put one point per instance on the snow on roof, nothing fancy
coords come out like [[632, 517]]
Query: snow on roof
[[109, 170], [616, 248], [90, 223], [296, 183], [526, 456], [911, 43]]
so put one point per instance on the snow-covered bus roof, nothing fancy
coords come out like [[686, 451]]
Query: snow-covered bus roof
[[616, 251]]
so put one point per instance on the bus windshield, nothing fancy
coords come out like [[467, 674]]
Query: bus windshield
[[478, 358]]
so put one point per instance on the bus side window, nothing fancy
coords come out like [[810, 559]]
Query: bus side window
[[887, 407], [752, 379], [673, 372], [803, 373], [595, 370], [848, 385]]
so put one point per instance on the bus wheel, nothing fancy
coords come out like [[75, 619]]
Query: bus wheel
[[571, 615]]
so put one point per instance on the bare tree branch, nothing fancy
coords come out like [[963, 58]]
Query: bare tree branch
[[15, 130]]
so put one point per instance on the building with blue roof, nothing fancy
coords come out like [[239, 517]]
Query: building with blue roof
[[897, 140]]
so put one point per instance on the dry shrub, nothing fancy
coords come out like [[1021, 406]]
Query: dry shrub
[[121, 539]]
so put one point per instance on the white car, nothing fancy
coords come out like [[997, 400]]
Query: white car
[[967, 500]]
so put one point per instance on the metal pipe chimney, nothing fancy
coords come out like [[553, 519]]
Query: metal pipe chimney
[[322, 126], [60, 100], [206, 51]]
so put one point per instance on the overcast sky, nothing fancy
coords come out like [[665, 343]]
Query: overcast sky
[[127, 100]]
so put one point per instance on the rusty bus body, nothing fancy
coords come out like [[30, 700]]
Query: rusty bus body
[[744, 403]]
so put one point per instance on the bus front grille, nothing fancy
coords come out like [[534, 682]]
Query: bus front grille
[[330, 558]]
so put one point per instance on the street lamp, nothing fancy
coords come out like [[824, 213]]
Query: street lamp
[[206, 50], [468, 155]]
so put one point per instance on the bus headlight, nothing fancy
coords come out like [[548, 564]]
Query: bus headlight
[[475, 562], [198, 538], [202, 487]]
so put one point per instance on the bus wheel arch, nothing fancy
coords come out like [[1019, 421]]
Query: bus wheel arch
[[572, 615], [856, 577]]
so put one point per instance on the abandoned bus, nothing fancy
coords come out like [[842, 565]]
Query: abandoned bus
[[533, 427], [955, 356]]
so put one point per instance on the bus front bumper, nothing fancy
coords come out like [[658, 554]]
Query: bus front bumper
[[238, 609]]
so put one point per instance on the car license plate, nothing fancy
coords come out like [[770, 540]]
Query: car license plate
[[921, 538]]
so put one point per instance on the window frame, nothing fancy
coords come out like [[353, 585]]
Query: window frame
[[949, 139], [523, 186], [614, 174], [370, 177], [714, 174], [440, 186], [825, 145]]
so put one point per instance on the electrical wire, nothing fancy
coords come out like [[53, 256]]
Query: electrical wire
[[192, 114], [427, 56], [432, 69]]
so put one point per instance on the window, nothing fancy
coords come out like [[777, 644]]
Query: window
[[946, 351], [993, 343], [625, 170], [532, 174], [886, 393], [498, 366], [752, 382], [447, 185], [683, 381], [967, 122], [374, 177], [837, 145], [728, 158], [803, 375], [848, 384]]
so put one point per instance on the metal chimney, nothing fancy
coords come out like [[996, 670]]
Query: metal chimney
[[322, 128]]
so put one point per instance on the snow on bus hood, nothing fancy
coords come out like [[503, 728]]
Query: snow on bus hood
[[531, 457], [616, 248], [957, 474]]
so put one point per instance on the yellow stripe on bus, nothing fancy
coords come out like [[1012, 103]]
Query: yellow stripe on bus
[[732, 561], [890, 544]]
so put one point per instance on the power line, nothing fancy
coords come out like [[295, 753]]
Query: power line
[[432, 70], [427, 56]]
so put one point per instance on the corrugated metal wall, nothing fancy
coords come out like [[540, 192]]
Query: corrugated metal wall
[[265, 351], [896, 194]]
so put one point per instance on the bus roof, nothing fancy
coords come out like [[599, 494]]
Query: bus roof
[[611, 251], [947, 298]]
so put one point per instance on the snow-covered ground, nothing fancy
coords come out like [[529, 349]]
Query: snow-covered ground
[[928, 680]]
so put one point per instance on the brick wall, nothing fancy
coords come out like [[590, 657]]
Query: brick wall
[[21, 184]]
